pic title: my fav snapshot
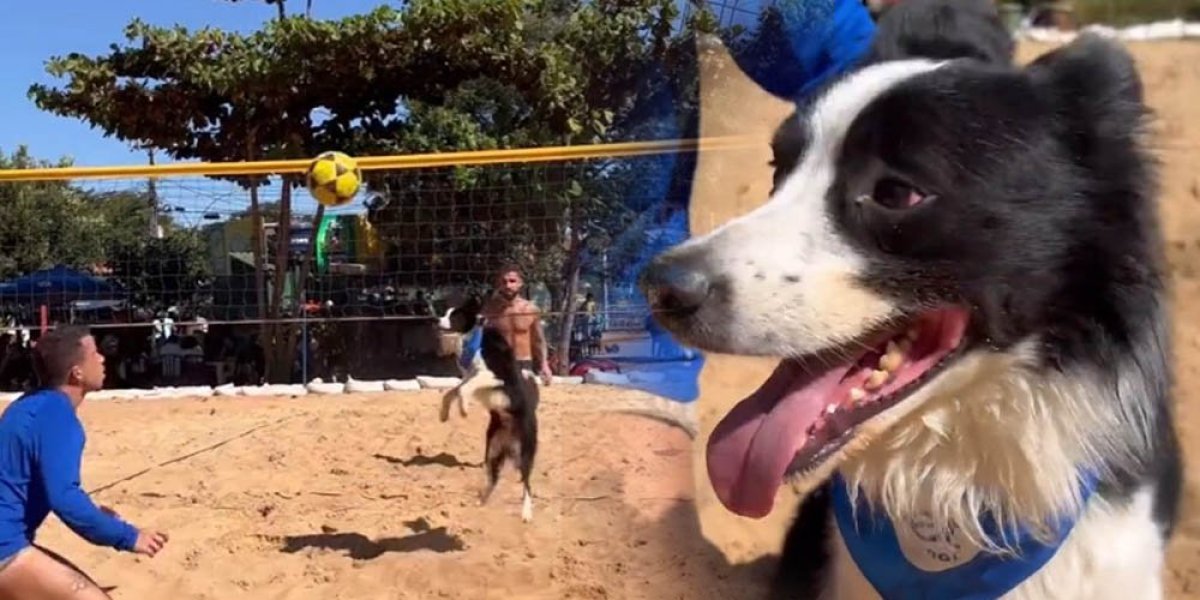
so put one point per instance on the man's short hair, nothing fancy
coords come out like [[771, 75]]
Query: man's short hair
[[57, 352], [509, 268]]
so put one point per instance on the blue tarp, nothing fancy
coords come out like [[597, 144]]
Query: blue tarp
[[56, 285]]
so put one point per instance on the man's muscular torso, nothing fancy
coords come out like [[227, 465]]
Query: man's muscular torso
[[515, 321]]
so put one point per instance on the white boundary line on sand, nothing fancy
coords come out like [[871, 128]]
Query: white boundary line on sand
[[352, 386], [671, 412], [1177, 29]]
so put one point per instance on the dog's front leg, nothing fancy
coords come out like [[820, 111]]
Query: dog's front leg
[[462, 404], [448, 399], [484, 388]]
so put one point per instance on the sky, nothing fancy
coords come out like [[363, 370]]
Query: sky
[[36, 32], [39, 31], [30, 36]]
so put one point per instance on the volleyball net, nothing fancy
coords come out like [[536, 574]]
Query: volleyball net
[[238, 262]]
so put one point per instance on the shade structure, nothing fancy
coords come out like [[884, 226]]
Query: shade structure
[[58, 285]]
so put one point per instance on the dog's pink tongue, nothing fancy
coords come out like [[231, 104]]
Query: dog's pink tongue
[[751, 448]]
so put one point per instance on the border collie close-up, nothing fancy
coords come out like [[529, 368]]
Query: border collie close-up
[[491, 376], [959, 269]]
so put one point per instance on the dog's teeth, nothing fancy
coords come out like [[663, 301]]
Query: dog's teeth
[[857, 394], [890, 361], [793, 481], [832, 408], [877, 379]]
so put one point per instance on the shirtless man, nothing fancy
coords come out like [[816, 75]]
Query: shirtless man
[[519, 321]]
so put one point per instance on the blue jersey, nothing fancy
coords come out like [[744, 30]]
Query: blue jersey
[[41, 446]]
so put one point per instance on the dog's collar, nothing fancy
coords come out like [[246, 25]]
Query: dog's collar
[[938, 567]]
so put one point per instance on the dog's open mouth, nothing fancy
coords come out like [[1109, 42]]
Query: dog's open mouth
[[810, 407]]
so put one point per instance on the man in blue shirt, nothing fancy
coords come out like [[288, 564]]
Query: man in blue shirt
[[41, 446]]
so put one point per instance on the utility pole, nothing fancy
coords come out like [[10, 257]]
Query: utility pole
[[604, 282], [152, 189]]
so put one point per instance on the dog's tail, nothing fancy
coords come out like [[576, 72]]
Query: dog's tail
[[676, 414]]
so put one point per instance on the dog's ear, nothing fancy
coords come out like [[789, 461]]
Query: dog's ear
[[942, 30], [1095, 89], [460, 321], [787, 148], [1093, 80]]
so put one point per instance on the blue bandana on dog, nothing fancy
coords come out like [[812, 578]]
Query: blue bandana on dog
[[470, 347], [876, 549]]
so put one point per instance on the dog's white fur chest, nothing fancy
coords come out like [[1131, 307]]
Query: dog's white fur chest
[[1113, 552], [477, 384]]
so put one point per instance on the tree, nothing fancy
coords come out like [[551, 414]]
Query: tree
[[220, 96], [45, 223], [442, 75], [128, 213], [160, 272], [567, 72]]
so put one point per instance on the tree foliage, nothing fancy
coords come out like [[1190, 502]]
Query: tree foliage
[[43, 224], [162, 272], [439, 75]]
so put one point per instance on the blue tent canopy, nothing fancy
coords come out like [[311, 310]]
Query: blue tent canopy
[[58, 284]]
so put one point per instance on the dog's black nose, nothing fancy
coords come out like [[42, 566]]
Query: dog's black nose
[[675, 286]]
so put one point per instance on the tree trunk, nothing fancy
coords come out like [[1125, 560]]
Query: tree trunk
[[256, 236], [280, 363], [302, 280], [568, 321], [152, 192], [566, 308]]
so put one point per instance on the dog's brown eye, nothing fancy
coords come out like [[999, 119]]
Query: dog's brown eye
[[896, 194]]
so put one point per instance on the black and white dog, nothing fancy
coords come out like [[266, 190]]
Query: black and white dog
[[960, 270], [492, 377]]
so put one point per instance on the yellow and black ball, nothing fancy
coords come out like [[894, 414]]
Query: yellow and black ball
[[333, 178]]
